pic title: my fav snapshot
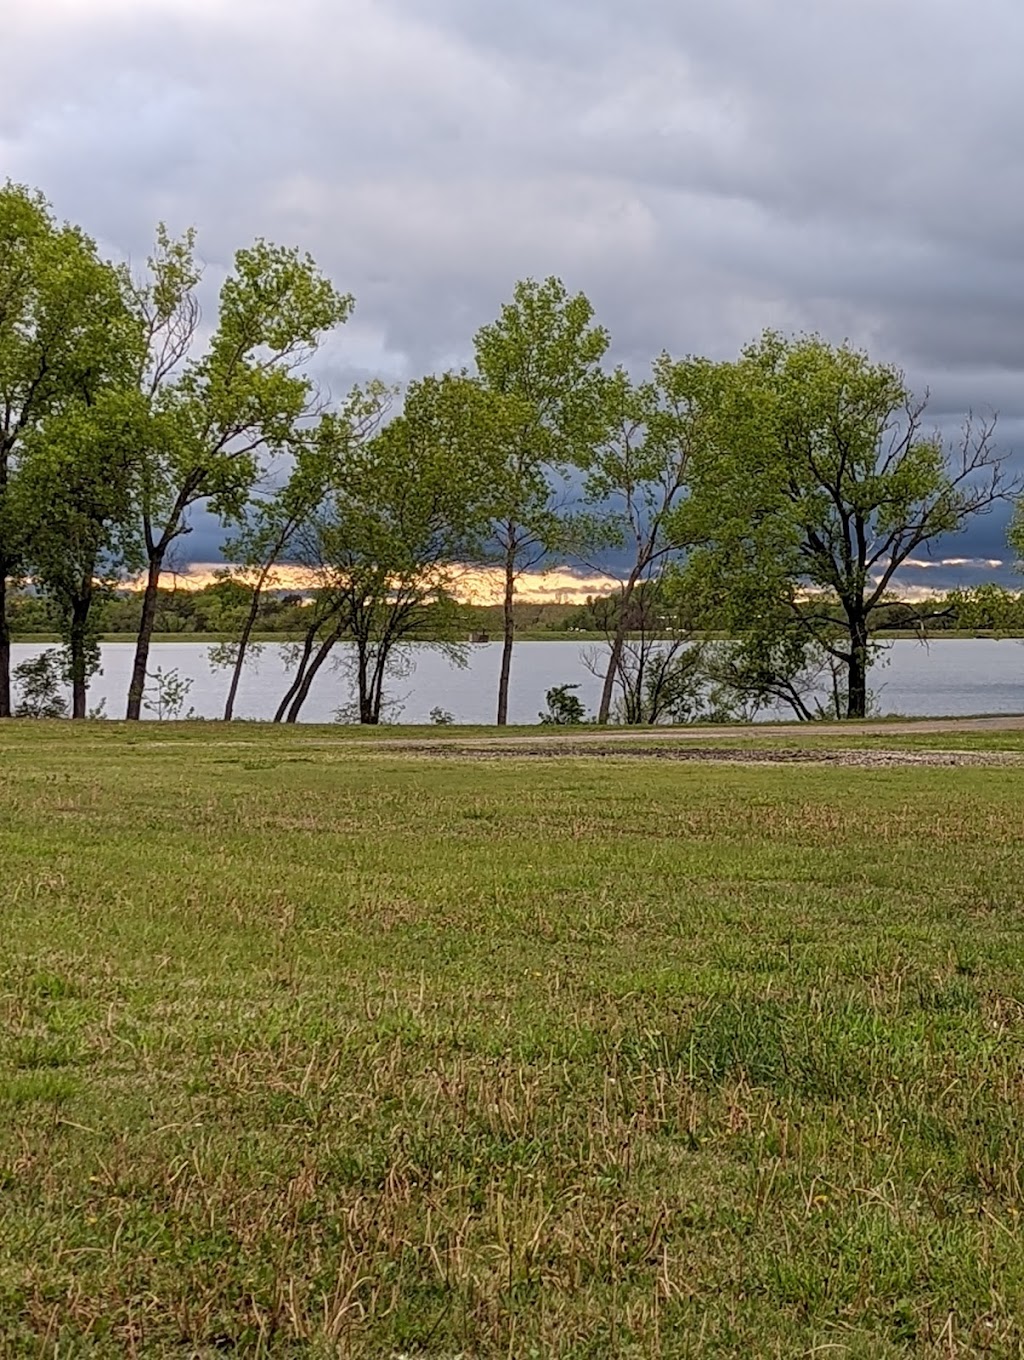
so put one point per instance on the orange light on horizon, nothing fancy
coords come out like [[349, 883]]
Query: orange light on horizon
[[472, 585]]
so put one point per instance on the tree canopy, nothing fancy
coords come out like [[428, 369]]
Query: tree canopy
[[818, 484], [778, 494]]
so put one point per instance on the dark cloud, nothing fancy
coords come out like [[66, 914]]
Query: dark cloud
[[702, 171]]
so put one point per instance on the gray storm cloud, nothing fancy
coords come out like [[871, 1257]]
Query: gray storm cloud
[[701, 170]]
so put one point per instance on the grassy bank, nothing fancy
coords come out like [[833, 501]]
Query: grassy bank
[[318, 1049]]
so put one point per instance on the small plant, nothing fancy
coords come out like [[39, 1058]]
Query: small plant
[[169, 691], [440, 717], [564, 709], [40, 685]]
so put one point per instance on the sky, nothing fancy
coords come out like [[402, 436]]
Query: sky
[[701, 170]]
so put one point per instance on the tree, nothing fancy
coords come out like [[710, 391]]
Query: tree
[[780, 664], [63, 334], [272, 523], [406, 508], [76, 500], [640, 472], [216, 418], [817, 484], [1016, 539], [987, 606], [660, 675], [541, 356]]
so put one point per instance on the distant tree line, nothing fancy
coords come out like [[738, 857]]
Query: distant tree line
[[220, 609], [771, 498]]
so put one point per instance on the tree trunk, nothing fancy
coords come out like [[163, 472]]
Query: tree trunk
[[293, 688], [243, 643], [508, 639], [5, 646], [308, 642], [138, 683], [363, 683], [5, 566], [76, 645], [303, 688], [614, 661], [250, 622], [857, 674], [377, 685], [604, 708]]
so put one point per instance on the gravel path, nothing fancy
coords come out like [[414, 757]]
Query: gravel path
[[735, 755], [691, 744]]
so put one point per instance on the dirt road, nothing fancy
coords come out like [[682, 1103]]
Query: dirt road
[[754, 744], [582, 736]]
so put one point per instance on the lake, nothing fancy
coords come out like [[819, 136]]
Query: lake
[[954, 676]]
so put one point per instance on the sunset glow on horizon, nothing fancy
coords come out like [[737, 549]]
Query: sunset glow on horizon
[[473, 585]]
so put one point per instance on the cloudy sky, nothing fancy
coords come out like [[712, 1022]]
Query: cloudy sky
[[702, 170]]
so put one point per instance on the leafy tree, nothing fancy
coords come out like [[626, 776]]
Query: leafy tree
[[660, 676], [76, 499], [661, 680], [30, 612], [818, 484], [640, 473], [63, 339], [405, 508], [215, 418], [987, 606], [542, 357], [784, 664], [272, 524], [1016, 540]]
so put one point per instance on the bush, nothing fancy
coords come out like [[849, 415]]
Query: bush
[[564, 709], [40, 687]]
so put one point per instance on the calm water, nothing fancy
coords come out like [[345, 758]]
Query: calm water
[[953, 676]]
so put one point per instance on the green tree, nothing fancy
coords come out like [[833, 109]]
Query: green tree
[[217, 417], [776, 662], [987, 606], [817, 486], [406, 508], [640, 475], [272, 523], [542, 359], [76, 500], [63, 336], [1016, 539]]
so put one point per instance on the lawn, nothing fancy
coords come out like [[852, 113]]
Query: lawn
[[317, 1049]]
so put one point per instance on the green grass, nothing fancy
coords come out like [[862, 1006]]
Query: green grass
[[312, 1049]]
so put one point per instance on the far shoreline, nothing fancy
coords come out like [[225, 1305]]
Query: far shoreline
[[526, 635]]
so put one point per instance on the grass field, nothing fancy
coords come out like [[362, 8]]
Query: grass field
[[316, 1049]]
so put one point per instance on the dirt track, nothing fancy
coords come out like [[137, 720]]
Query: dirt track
[[752, 744], [746, 745], [753, 732], [748, 754]]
